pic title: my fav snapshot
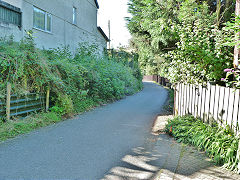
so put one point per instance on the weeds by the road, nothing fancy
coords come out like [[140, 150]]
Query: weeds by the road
[[169, 105], [13, 128], [219, 143]]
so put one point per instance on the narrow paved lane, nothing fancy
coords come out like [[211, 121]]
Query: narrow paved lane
[[88, 146]]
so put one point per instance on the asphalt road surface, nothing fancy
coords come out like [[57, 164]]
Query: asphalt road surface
[[91, 145]]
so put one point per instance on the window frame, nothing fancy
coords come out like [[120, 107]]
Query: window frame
[[46, 15], [74, 16]]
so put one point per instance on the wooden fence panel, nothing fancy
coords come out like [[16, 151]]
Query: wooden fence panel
[[179, 99], [220, 111], [207, 104], [176, 99], [190, 99], [185, 99], [2, 108], [225, 106], [230, 108], [203, 98], [22, 105], [197, 95], [193, 99], [212, 103], [216, 102], [235, 111], [182, 99], [200, 90]]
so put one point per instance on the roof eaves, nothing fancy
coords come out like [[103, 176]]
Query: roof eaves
[[96, 2], [103, 34]]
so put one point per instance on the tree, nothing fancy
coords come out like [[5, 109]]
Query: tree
[[179, 39]]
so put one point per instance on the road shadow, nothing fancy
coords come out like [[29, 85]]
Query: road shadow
[[161, 157]]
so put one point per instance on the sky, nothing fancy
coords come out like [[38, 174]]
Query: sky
[[115, 11]]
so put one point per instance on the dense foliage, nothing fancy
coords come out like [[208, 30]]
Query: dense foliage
[[219, 143], [182, 40], [77, 82], [233, 74]]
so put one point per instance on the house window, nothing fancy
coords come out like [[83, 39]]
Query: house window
[[74, 15], [10, 14], [42, 20]]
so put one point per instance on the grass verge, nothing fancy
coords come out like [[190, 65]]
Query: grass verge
[[219, 143], [13, 128]]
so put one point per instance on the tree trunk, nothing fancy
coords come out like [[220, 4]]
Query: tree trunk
[[236, 49], [218, 11], [228, 10]]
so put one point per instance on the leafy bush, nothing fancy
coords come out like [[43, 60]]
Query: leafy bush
[[233, 74], [83, 79], [22, 65], [219, 143], [108, 80], [180, 40]]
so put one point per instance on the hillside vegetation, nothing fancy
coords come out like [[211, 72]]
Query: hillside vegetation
[[77, 82]]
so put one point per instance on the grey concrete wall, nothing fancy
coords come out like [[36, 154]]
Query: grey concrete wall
[[63, 31], [102, 43]]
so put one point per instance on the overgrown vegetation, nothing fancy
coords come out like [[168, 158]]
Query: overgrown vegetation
[[219, 143], [233, 74], [12, 128], [77, 82], [182, 40]]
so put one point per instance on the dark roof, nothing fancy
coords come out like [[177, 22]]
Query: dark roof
[[96, 2], [103, 34]]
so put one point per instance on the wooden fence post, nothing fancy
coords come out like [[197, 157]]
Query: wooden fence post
[[175, 99], [47, 98], [8, 101]]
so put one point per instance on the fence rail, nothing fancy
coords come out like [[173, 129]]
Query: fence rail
[[161, 80], [210, 103], [14, 105]]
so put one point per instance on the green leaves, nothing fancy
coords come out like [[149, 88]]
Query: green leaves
[[179, 40], [220, 144], [78, 82]]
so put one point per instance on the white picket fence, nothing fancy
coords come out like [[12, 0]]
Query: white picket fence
[[209, 103]]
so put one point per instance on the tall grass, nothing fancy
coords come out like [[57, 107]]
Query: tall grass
[[219, 143]]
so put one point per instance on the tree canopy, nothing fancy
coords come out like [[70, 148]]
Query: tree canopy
[[182, 40]]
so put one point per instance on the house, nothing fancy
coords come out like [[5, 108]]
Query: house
[[54, 23]]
